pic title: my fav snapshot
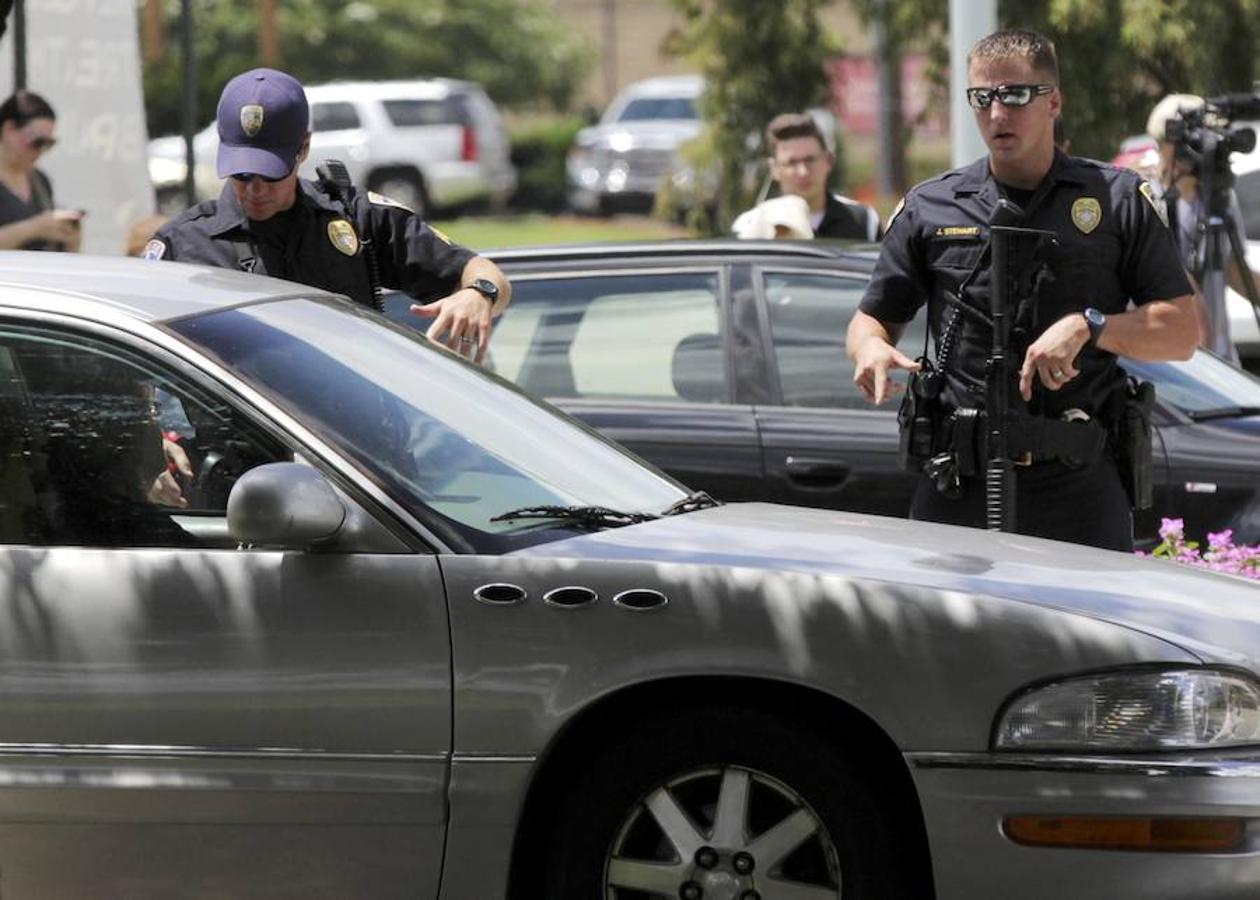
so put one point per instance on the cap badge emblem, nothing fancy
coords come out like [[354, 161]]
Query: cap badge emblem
[[251, 119], [341, 235], [1086, 214]]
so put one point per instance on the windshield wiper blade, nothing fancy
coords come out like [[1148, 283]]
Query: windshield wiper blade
[[591, 516], [1223, 412], [690, 503]]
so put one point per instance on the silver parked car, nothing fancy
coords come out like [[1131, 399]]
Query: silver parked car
[[385, 626], [621, 161], [434, 143]]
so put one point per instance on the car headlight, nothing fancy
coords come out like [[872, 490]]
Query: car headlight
[[1134, 711]]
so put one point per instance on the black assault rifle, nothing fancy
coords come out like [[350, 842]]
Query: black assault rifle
[[999, 475]]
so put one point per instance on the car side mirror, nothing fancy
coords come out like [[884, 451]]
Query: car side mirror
[[287, 505]]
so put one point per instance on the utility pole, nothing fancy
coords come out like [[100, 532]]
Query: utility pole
[[190, 100], [19, 44], [969, 20], [610, 50], [268, 38], [890, 169]]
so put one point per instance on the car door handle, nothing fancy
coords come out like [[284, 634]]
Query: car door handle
[[814, 472]]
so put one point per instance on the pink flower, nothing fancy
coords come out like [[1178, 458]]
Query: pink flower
[[1172, 529]]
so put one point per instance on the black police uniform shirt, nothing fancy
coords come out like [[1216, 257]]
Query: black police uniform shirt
[[1113, 247], [845, 218], [313, 243]]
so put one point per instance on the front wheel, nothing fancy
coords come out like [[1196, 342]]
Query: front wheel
[[714, 804]]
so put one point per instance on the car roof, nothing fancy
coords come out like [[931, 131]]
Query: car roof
[[665, 86], [137, 288], [856, 255], [411, 89]]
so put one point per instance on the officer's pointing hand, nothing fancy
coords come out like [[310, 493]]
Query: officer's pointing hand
[[464, 317], [1052, 357], [874, 358]]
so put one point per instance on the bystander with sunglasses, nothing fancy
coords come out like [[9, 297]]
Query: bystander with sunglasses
[[1111, 285], [29, 219]]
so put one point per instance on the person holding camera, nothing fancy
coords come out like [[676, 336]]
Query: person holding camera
[[1070, 320], [269, 221], [1187, 214], [29, 220]]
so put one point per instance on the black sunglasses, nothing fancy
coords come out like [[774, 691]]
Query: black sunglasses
[[41, 142], [245, 177], [1006, 94]]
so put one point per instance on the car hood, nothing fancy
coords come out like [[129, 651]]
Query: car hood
[[655, 133], [1215, 616]]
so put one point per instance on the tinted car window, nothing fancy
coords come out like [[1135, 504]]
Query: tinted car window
[[658, 108], [642, 337], [437, 433], [407, 113], [84, 450], [1199, 384], [809, 313], [333, 116]]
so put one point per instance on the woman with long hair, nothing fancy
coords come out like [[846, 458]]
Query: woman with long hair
[[29, 220]]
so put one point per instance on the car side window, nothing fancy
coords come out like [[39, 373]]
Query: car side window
[[809, 313], [333, 116], [410, 113], [100, 448], [631, 337]]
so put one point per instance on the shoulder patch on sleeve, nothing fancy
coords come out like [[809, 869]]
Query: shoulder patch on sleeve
[[1147, 190], [382, 200], [901, 204], [155, 249], [441, 236]]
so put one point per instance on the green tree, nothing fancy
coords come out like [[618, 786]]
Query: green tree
[[899, 25], [758, 59], [516, 49], [1118, 57]]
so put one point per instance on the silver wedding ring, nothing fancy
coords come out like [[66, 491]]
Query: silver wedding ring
[[466, 340], [1056, 374]]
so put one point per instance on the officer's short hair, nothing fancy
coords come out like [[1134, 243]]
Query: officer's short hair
[[23, 106], [1014, 43], [787, 126]]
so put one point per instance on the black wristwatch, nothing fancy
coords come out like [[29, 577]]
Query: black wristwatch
[[486, 288], [1096, 322]]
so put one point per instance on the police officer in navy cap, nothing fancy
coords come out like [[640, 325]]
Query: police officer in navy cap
[[1113, 286], [270, 221]]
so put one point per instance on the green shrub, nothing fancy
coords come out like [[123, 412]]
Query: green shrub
[[538, 152]]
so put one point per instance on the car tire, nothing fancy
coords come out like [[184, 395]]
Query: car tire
[[609, 841], [406, 187]]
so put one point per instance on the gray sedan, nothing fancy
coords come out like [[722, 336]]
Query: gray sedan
[[296, 604]]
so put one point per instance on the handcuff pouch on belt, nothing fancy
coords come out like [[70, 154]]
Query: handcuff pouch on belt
[[1131, 440]]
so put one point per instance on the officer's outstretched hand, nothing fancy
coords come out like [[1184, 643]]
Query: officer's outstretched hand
[[463, 317], [873, 359], [1052, 357]]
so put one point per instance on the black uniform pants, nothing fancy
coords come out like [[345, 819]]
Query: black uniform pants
[[1081, 506]]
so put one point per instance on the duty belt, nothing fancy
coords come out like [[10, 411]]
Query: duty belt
[[1029, 440]]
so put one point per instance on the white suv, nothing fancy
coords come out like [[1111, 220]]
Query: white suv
[[430, 144]]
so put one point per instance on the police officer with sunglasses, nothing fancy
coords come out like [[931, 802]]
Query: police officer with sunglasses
[[269, 221], [1111, 285]]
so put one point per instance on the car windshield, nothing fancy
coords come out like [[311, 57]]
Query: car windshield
[[1202, 384], [438, 434], [643, 108]]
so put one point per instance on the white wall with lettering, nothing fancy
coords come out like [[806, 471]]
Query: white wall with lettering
[[83, 57]]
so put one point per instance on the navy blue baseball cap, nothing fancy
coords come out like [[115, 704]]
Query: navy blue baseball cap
[[263, 119]]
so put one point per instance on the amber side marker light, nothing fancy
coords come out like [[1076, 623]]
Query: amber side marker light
[[1171, 835]]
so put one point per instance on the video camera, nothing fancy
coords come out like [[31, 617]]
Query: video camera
[[1205, 136]]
